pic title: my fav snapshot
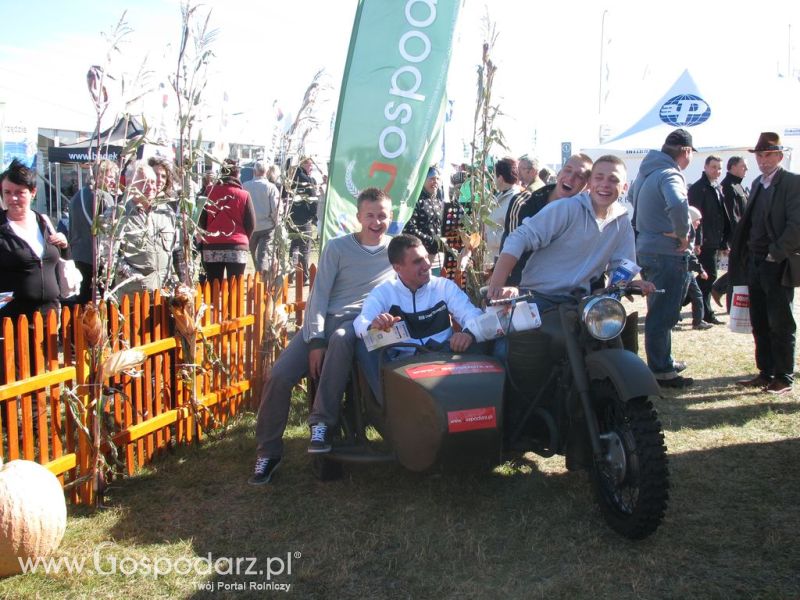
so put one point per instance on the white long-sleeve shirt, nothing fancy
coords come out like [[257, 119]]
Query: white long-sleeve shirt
[[426, 312]]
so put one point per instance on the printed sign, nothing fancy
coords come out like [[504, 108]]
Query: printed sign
[[472, 419], [448, 369]]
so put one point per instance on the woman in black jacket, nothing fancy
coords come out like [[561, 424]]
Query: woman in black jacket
[[29, 248]]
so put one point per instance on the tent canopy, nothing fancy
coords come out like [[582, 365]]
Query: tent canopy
[[723, 122], [112, 142]]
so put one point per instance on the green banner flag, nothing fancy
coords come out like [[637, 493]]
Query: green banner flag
[[391, 107]]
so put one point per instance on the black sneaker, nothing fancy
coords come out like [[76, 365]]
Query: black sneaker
[[676, 382], [319, 439], [265, 467]]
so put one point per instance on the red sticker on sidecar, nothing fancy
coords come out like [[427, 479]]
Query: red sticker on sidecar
[[447, 369], [473, 418]]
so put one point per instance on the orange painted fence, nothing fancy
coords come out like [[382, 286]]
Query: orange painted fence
[[144, 414]]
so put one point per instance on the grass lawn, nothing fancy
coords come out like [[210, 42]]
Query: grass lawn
[[530, 529]]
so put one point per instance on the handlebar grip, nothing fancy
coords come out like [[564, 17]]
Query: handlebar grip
[[636, 291]]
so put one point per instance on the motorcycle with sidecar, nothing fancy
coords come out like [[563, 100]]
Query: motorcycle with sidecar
[[567, 387]]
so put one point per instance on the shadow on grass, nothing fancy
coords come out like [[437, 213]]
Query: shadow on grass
[[201, 494], [737, 406], [384, 532]]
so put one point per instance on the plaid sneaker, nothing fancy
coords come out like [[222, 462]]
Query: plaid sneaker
[[265, 467], [319, 439]]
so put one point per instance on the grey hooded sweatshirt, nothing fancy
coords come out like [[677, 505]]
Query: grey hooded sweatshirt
[[661, 205], [570, 248]]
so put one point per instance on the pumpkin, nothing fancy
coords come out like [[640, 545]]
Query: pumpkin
[[33, 514]]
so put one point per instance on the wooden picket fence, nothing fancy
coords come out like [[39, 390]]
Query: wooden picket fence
[[150, 412]]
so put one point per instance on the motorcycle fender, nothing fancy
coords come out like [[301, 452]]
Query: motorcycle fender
[[629, 374]]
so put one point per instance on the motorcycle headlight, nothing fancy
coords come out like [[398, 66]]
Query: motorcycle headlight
[[604, 317]]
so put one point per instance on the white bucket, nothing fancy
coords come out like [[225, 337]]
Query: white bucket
[[739, 321]]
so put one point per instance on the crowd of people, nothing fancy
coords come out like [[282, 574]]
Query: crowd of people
[[123, 230], [559, 239]]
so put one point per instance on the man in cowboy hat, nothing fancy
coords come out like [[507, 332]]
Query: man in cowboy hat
[[765, 255]]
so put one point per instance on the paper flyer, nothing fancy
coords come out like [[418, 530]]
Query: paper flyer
[[494, 323], [377, 338]]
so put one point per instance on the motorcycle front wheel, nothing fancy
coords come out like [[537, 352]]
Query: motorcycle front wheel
[[631, 482]]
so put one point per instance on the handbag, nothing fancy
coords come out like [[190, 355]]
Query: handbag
[[740, 310], [69, 278], [67, 273]]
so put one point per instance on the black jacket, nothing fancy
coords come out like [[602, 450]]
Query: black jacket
[[304, 204], [715, 228], [782, 200], [32, 279], [522, 206], [426, 220], [735, 198]]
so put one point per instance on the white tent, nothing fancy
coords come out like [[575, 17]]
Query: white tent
[[722, 122]]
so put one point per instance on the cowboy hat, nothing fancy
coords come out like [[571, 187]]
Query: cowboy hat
[[768, 141]]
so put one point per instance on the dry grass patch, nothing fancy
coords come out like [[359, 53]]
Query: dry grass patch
[[529, 529]]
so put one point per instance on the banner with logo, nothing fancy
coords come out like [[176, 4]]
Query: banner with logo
[[391, 107], [18, 139]]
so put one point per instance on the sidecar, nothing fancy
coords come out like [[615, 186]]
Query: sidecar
[[439, 409]]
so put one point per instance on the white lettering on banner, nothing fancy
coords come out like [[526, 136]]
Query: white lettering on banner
[[420, 36], [392, 139], [431, 4], [387, 131], [411, 93], [391, 113]]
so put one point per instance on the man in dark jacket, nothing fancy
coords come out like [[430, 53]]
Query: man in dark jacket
[[734, 195], [765, 255], [304, 212], [572, 180], [714, 231], [94, 198], [426, 220]]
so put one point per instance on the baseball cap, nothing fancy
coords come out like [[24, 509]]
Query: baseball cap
[[680, 137]]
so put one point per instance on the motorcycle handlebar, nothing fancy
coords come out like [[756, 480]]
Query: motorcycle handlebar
[[512, 301], [636, 291]]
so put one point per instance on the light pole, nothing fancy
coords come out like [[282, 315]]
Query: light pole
[[600, 83]]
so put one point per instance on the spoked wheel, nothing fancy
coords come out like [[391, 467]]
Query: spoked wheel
[[632, 481]]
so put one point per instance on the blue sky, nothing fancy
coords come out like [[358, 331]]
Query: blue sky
[[548, 57]]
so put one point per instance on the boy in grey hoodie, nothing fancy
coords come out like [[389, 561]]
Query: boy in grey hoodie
[[574, 241]]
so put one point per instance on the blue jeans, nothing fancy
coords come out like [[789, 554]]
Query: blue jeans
[[667, 272], [369, 365]]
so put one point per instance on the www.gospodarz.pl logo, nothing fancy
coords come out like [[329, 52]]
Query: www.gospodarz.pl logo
[[104, 563]]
